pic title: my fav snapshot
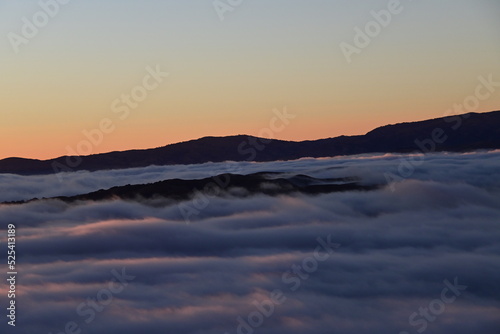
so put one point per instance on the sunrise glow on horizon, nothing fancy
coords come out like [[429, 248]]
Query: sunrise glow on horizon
[[227, 77], [250, 166]]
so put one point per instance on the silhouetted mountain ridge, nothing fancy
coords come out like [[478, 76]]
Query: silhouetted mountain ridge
[[462, 132], [234, 185]]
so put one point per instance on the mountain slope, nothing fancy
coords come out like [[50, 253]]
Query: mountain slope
[[455, 133], [264, 183]]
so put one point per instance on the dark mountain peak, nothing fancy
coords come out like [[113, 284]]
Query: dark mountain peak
[[396, 128], [456, 133], [234, 185]]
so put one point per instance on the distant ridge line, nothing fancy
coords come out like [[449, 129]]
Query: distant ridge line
[[455, 133]]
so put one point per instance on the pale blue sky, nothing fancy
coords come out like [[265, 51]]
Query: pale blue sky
[[226, 76]]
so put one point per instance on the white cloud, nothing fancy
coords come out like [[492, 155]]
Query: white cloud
[[396, 250]]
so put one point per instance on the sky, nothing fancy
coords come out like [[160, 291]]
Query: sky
[[226, 72], [385, 262]]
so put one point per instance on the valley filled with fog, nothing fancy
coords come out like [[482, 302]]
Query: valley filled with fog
[[419, 253]]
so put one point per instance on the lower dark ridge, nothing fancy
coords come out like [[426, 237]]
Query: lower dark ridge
[[234, 185]]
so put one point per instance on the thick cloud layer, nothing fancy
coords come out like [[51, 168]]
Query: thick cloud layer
[[371, 168], [419, 255]]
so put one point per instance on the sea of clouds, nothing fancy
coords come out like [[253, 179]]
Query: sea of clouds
[[419, 255]]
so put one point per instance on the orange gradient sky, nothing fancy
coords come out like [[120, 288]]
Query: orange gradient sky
[[226, 77]]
